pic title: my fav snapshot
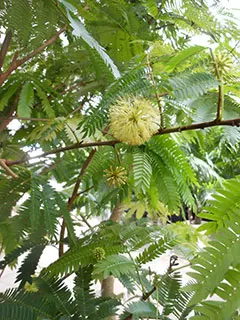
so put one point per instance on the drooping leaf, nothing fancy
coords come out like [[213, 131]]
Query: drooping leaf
[[25, 100]]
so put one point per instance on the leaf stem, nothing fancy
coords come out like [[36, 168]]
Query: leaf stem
[[220, 105], [157, 96]]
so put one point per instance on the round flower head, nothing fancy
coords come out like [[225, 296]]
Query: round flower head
[[133, 120], [115, 176], [99, 253], [223, 63]]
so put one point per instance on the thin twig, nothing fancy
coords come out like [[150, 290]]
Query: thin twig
[[85, 221], [24, 119], [86, 190], [72, 199], [6, 168], [79, 145], [220, 104]]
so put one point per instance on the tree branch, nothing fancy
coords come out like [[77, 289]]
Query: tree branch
[[5, 167], [24, 119], [201, 125], [72, 199], [17, 63], [80, 145], [5, 46]]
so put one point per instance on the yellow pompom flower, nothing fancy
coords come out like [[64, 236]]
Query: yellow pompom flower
[[223, 63], [116, 176], [133, 120]]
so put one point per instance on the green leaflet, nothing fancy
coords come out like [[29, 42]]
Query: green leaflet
[[154, 251], [216, 269], [151, 7], [178, 59], [25, 100], [14, 189], [7, 92], [142, 172], [187, 86], [142, 309], [29, 264], [113, 265], [45, 102], [79, 30]]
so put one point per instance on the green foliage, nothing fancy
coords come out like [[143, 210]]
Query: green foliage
[[80, 31], [18, 304], [192, 85], [25, 101], [115, 265], [142, 172], [153, 251], [30, 18], [11, 190], [173, 173], [142, 309], [29, 264], [223, 207], [216, 269], [61, 98]]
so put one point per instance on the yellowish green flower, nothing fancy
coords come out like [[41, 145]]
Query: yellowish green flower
[[223, 63], [133, 120], [115, 176], [31, 287], [98, 253]]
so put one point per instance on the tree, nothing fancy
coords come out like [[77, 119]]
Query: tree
[[112, 95]]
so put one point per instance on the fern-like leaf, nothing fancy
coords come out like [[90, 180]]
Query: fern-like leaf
[[29, 265], [192, 85], [142, 172], [11, 190], [154, 251], [25, 101], [79, 30], [113, 265]]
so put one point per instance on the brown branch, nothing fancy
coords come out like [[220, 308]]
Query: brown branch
[[23, 119], [4, 48], [80, 145], [5, 167], [201, 125], [18, 62], [73, 198]]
